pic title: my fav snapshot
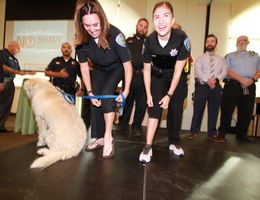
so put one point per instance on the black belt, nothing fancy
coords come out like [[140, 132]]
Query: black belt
[[159, 72]]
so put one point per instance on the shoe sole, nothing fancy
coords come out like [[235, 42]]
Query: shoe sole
[[95, 148]]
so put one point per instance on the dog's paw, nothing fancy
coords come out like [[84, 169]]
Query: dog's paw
[[41, 143], [43, 151]]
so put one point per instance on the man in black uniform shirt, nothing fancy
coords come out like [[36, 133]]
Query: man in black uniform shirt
[[137, 90], [11, 67], [64, 71]]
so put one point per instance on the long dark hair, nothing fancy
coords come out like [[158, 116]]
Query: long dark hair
[[87, 7]]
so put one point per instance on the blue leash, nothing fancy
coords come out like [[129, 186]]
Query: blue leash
[[71, 98]]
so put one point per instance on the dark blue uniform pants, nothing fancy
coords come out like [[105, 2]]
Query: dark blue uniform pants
[[204, 93], [137, 94], [233, 97], [6, 100]]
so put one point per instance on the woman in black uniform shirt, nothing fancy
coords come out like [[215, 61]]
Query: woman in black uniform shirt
[[164, 57], [105, 46]]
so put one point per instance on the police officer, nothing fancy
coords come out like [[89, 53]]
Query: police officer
[[105, 46], [165, 54], [11, 67], [64, 71], [137, 90], [239, 89]]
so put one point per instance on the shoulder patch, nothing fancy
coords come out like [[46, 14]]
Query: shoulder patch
[[187, 44], [253, 53], [120, 39]]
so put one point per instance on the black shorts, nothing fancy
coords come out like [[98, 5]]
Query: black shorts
[[159, 88]]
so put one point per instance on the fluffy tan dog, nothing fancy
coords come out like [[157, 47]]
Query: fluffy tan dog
[[59, 125]]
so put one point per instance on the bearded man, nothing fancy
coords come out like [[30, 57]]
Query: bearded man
[[210, 69]]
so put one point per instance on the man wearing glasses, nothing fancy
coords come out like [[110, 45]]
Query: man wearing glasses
[[239, 90]]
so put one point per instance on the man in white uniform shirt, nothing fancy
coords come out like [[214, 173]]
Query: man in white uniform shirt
[[209, 70]]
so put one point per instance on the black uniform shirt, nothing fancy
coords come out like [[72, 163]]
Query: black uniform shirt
[[135, 46], [116, 53], [71, 66], [177, 48], [6, 58]]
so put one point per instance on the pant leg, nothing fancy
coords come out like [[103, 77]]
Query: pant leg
[[86, 111], [229, 100], [245, 109], [140, 102], [97, 121], [213, 107], [104, 82], [201, 96], [175, 111], [6, 100]]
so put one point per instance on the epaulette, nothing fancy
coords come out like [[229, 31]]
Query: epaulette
[[253, 53], [130, 40]]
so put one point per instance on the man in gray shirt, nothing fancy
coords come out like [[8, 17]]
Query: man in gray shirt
[[209, 70]]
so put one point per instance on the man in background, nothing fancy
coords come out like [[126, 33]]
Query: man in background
[[137, 91], [210, 69], [64, 70], [10, 67], [239, 90]]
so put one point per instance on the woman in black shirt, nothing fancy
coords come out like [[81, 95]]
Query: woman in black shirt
[[164, 57], [105, 46]]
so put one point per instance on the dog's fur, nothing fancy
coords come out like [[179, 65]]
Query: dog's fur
[[59, 125]]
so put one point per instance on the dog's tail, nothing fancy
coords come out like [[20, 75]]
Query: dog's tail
[[51, 158]]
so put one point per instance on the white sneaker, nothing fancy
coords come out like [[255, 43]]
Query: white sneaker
[[176, 149], [146, 154]]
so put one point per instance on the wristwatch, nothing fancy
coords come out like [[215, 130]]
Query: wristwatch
[[169, 95]]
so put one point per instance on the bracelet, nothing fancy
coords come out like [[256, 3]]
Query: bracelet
[[89, 91], [169, 95]]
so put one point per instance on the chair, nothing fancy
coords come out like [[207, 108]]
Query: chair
[[256, 117]]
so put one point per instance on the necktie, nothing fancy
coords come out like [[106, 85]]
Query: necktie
[[211, 65]]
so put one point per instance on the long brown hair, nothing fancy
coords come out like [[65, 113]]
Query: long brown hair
[[87, 7], [163, 3]]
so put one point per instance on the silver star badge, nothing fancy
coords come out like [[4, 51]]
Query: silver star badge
[[173, 52]]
